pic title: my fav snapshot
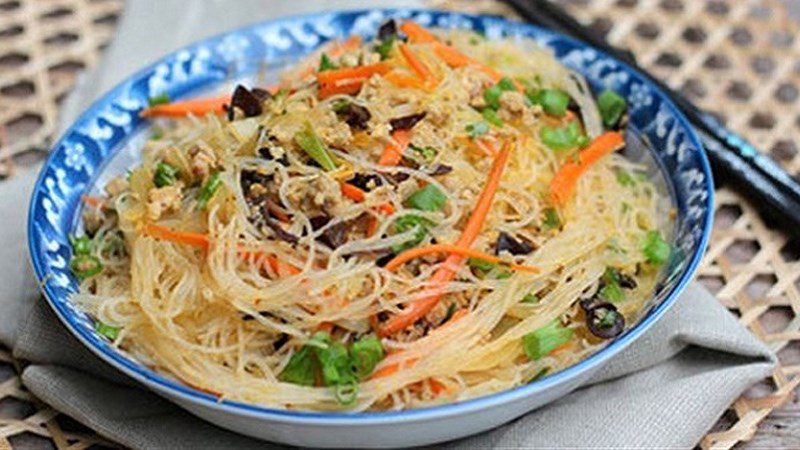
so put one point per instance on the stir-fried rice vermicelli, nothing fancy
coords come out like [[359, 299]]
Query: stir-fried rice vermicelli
[[418, 219]]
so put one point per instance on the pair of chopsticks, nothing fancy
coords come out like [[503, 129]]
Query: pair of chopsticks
[[754, 175]]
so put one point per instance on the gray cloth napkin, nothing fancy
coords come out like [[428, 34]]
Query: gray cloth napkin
[[665, 390]]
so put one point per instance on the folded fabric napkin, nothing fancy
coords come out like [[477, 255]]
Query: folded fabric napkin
[[665, 390]]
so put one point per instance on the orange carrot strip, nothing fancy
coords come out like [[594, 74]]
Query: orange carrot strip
[[418, 308], [198, 107], [392, 368], [563, 183], [94, 202], [362, 72], [348, 87], [416, 33], [386, 208], [352, 192], [393, 152], [414, 253], [404, 81], [180, 237], [419, 67]]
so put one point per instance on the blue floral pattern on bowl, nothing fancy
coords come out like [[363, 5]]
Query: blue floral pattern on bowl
[[108, 124]]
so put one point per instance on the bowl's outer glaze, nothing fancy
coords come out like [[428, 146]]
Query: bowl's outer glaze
[[112, 122]]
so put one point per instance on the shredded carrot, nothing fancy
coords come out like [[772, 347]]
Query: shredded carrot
[[325, 326], [348, 87], [94, 202], [444, 274], [455, 59], [416, 64], [404, 81], [414, 253], [486, 146], [393, 152], [197, 107], [437, 387], [416, 33], [200, 240], [392, 368], [563, 183], [352, 192], [386, 208], [350, 73], [564, 348], [372, 226]]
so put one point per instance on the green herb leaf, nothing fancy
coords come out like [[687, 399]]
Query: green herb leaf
[[655, 248], [159, 99], [80, 245], [612, 291], [300, 369], [566, 137], [551, 220], [325, 63], [428, 198], [165, 175], [553, 101], [540, 374], [531, 298], [106, 330], [541, 342], [308, 140], [409, 222], [480, 264], [157, 135], [492, 96], [499, 274], [385, 47], [477, 129], [85, 266], [611, 106], [208, 190], [491, 116], [426, 153], [366, 353]]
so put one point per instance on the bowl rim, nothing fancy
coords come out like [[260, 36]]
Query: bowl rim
[[176, 389]]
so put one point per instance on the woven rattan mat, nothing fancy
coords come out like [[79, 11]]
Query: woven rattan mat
[[740, 58]]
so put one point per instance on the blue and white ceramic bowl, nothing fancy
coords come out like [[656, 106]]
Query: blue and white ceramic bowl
[[105, 138]]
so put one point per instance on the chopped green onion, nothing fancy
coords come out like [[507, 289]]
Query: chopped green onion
[[308, 140], [477, 129], [611, 106], [612, 293], [325, 63], [506, 84], [492, 96], [340, 105], [450, 311], [499, 274], [563, 138], [85, 266], [624, 178], [157, 135], [553, 101], [480, 264], [366, 353], [208, 190], [347, 393], [491, 116], [655, 248], [551, 220], [165, 175], [80, 245], [385, 47], [334, 363], [428, 198], [300, 369], [531, 298], [106, 330], [427, 153], [541, 342], [158, 99], [410, 222]]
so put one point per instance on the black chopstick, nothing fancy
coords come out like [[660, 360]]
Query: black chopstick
[[756, 176]]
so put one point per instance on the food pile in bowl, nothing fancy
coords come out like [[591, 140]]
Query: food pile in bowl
[[415, 220]]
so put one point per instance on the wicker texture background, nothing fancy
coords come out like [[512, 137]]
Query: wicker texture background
[[739, 58]]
